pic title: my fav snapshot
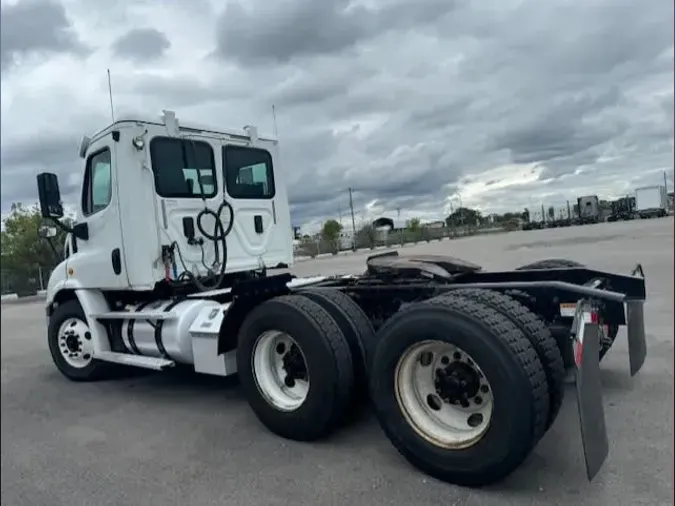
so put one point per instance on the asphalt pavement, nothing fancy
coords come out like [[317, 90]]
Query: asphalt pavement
[[182, 439]]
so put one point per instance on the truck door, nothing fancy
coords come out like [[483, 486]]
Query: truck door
[[260, 228], [99, 262], [185, 183]]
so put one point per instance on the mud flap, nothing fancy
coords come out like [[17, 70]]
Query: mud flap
[[586, 346], [635, 327]]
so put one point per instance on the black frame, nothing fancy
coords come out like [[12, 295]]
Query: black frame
[[229, 176], [87, 188], [184, 142]]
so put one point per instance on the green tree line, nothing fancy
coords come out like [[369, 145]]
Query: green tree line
[[23, 252]]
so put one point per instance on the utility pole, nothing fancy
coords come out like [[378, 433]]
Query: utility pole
[[351, 208]]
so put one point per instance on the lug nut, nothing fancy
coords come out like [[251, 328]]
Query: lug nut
[[445, 360], [478, 399], [485, 389], [457, 355]]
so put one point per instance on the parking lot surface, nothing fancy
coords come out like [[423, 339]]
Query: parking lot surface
[[181, 439]]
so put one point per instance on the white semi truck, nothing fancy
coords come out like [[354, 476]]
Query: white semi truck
[[651, 201], [178, 254]]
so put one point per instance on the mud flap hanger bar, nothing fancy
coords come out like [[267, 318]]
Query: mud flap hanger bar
[[586, 345]]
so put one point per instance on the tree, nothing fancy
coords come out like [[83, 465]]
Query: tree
[[463, 216], [330, 232], [367, 235], [551, 213], [413, 229], [413, 225], [526, 215], [23, 251]]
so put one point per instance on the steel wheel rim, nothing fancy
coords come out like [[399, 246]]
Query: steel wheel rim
[[426, 403], [74, 343], [276, 380]]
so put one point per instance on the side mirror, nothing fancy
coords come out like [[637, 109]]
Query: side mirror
[[49, 195]]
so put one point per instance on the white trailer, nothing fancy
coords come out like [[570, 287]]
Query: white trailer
[[172, 260], [651, 201]]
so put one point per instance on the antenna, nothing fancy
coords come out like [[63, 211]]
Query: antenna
[[112, 109], [274, 119]]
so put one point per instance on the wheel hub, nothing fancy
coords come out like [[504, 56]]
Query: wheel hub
[[72, 341], [280, 370], [294, 365], [456, 383]]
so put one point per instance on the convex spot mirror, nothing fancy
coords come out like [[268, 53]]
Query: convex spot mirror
[[47, 232]]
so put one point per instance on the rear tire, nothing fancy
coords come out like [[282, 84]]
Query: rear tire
[[537, 333], [356, 328], [273, 381], [70, 345], [550, 263], [561, 263], [510, 365]]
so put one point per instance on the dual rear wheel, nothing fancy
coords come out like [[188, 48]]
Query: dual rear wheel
[[464, 384]]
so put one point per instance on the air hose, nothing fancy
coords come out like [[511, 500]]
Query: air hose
[[218, 238]]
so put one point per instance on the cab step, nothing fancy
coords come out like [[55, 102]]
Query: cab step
[[134, 315], [156, 364]]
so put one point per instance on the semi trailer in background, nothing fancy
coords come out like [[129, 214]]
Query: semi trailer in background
[[651, 201]]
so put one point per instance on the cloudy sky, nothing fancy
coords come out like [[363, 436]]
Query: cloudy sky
[[415, 104]]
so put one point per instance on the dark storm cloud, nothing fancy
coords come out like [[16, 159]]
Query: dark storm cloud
[[141, 44], [35, 26], [21, 161], [409, 102], [558, 130], [284, 30]]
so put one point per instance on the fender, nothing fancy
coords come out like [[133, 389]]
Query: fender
[[92, 302], [245, 296]]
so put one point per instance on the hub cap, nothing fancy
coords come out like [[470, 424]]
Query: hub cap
[[280, 370], [443, 394], [74, 343]]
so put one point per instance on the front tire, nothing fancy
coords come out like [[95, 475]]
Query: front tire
[[514, 381], [295, 368], [71, 347]]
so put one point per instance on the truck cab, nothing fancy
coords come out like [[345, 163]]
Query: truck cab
[[152, 194]]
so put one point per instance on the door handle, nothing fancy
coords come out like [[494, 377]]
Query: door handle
[[258, 223]]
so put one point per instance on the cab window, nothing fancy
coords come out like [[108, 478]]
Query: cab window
[[248, 173], [183, 168], [97, 189]]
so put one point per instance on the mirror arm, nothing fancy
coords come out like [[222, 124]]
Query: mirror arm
[[79, 230], [53, 248]]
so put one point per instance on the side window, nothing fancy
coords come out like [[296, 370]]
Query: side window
[[183, 168], [248, 173], [97, 190]]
